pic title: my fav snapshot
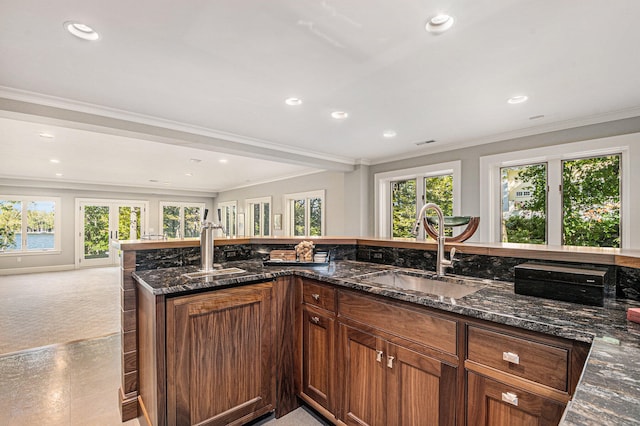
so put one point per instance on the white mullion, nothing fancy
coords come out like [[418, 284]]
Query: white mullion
[[554, 202]]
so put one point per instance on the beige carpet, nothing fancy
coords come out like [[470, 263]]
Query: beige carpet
[[60, 307]]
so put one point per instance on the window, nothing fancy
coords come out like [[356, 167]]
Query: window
[[305, 213], [258, 216], [229, 217], [400, 194], [524, 217], [29, 224], [562, 195], [181, 219]]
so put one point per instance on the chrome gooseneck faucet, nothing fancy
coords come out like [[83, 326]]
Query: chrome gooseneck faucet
[[207, 243], [441, 263]]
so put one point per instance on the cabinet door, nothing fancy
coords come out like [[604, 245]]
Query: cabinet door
[[422, 390], [318, 369], [492, 403], [363, 378], [219, 356]]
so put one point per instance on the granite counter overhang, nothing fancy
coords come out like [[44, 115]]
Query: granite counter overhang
[[609, 390]]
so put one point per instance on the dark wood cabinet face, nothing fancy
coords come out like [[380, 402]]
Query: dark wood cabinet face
[[219, 356]]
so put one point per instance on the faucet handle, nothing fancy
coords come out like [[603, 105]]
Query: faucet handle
[[452, 253]]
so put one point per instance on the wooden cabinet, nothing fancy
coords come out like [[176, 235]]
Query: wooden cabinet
[[493, 403], [220, 356], [517, 378], [318, 336], [398, 365], [388, 384], [370, 360]]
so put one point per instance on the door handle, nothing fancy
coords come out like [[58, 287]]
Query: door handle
[[510, 398], [511, 357], [390, 361], [379, 356]]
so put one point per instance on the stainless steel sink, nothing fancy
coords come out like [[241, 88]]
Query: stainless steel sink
[[214, 273], [407, 281]]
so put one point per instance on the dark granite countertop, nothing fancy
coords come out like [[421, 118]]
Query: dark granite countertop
[[609, 390]]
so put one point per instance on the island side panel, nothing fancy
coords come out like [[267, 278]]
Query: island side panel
[[151, 352], [128, 393]]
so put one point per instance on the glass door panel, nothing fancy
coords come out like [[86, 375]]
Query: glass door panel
[[101, 223], [95, 234], [129, 223]]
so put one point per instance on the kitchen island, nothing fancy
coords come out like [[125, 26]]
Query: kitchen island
[[607, 393]]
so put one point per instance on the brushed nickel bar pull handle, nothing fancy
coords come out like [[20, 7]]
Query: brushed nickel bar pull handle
[[390, 361], [510, 398], [315, 320], [315, 296], [511, 357], [379, 356]]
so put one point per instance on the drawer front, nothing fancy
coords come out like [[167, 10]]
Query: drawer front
[[319, 295], [530, 360], [420, 327]]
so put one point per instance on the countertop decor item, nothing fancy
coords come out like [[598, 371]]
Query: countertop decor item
[[472, 223], [304, 250]]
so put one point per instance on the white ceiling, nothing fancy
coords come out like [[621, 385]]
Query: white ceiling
[[222, 69]]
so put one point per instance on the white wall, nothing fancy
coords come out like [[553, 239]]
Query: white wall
[[470, 157], [332, 182], [65, 259]]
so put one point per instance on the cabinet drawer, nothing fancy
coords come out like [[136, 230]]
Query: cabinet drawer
[[538, 362], [319, 295], [420, 327]]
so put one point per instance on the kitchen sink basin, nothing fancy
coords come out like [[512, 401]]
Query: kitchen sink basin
[[408, 281], [214, 273]]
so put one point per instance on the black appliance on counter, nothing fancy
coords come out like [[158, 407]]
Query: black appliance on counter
[[560, 282]]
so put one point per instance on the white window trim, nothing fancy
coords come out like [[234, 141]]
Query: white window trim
[[288, 198], [182, 205], [383, 191], [57, 223], [489, 229], [261, 200], [228, 232]]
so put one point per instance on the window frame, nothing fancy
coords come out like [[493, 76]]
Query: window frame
[[236, 231], [182, 205], [249, 203], [383, 192], [489, 229], [57, 223], [288, 203]]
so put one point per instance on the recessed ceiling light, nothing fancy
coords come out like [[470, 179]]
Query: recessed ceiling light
[[81, 30], [167, 183], [439, 23], [54, 161], [59, 174], [46, 135], [195, 160], [293, 101], [517, 99], [188, 174], [389, 134], [223, 160], [339, 115]]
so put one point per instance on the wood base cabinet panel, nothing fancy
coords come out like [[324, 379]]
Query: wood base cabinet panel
[[318, 369], [387, 384], [220, 356], [492, 403]]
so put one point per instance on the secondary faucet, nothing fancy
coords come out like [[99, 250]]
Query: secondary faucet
[[441, 263], [207, 243]]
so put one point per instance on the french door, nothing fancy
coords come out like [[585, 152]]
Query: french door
[[100, 222]]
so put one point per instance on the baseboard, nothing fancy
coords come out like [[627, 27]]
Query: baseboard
[[37, 269]]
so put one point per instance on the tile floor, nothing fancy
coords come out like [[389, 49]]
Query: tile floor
[[60, 351]]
